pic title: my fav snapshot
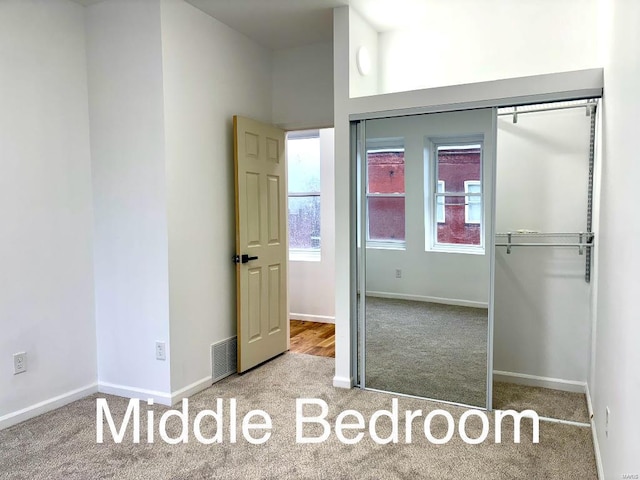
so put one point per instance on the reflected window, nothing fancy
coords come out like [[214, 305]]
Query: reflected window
[[303, 163], [386, 195], [457, 194]]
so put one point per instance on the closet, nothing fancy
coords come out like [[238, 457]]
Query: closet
[[543, 257], [474, 255]]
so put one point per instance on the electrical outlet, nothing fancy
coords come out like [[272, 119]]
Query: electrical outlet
[[161, 351], [398, 273], [607, 412], [19, 362]]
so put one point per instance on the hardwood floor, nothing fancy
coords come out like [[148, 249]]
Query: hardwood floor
[[313, 338]]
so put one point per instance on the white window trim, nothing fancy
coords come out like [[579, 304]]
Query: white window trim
[[305, 255], [387, 244]]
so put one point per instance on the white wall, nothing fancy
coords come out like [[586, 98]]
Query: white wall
[[361, 34], [211, 73], [302, 94], [615, 381], [344, 282], [46, 292], [311, 283], [455, 278], [469, 41], [128, 166], [542, 302]]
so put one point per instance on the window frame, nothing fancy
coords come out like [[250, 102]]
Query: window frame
[[304, 254], [384, 145], [431, 170]]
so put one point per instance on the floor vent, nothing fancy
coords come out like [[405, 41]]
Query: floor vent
[[224, 356]]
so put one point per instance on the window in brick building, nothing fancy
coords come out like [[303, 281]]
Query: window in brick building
[[303, 163], [385, 194], [457, 196]]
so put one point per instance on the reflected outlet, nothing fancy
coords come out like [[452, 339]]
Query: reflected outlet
[[398, 273], [19, 362]]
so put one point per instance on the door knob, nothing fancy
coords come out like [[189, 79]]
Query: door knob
[[243, 258]]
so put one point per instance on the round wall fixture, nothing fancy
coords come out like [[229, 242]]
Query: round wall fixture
[[363, 61]]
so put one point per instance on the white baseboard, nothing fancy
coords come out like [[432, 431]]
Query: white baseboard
[[161, 398], [594, 434], [192, 389], [125, 391], [312, 318], [342, 382], [45, 406], [422, 298], [536, 381]]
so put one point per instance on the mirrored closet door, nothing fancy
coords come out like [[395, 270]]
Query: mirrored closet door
[[424, 242]]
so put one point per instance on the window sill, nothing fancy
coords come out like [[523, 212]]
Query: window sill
[[304, 255], [387, 245], [459, 249]]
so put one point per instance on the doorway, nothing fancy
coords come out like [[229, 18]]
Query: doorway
[[310, 166]]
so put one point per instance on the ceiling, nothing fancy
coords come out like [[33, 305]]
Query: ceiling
[[276, 24], [280, 24]]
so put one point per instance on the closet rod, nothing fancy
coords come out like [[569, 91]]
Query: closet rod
[[585, 240], [542, 244], [517, 111], [545, 234]]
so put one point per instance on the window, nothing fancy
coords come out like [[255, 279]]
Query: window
[[385, 194], [457, 196], [303, 163]]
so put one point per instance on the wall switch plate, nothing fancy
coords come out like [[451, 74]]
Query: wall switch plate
[[161, 351], [19, 362], [398, 273]]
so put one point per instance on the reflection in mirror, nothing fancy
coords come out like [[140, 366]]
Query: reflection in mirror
[[426, 276]]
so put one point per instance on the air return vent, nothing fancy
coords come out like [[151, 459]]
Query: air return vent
[[224, 358]]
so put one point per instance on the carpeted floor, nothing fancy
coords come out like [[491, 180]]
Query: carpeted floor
[[546, 402], [61, 444], [427, 349], [439, 351]]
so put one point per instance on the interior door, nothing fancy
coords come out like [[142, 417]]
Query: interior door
[[261, 241]]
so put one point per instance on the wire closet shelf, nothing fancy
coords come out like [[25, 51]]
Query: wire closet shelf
[[579, 240]]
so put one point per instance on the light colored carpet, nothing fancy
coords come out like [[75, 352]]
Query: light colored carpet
[[427, 349], [61, 444], [545, 401]]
